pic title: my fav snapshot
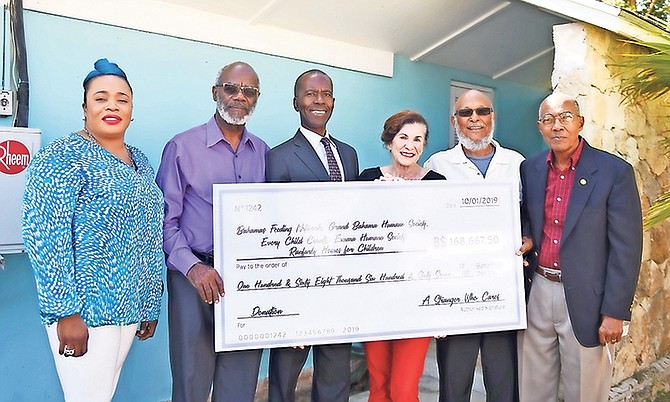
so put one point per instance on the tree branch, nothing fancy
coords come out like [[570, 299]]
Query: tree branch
[[652, 4]]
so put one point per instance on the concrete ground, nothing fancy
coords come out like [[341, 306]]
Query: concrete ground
[[650, 384]]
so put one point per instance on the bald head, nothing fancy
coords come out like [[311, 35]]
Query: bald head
[[560, 124], [555, 101], [470, 98], [235, 69]]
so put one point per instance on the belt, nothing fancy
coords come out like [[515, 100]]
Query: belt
[[553, 275], [207, 259]]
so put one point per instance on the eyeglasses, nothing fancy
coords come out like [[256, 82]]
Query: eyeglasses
[[467, 112], [233, 89], [550, 119]]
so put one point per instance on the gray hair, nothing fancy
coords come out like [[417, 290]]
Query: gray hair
[[235, 63], [558, 95]]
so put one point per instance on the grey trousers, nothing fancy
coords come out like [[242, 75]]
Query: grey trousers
[[550, 352], [196, 368]]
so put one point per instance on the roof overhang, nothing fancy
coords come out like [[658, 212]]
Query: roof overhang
[[509, 40]]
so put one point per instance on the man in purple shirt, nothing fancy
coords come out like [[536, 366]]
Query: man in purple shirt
[[219, 151]]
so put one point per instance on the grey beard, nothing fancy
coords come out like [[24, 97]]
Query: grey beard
[[474, 145], [239, 121]]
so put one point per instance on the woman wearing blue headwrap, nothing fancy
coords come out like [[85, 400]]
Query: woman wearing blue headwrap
[[92, 227]]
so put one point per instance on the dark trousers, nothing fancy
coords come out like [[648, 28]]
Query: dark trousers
[[332, 377], [195, 365], [457, 358]]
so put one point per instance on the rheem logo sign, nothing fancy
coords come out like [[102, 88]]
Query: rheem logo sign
[[14, 157]]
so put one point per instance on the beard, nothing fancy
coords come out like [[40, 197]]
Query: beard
[[235, 121], [473, 145]]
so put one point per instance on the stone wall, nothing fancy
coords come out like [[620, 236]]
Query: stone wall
[[584, 55]]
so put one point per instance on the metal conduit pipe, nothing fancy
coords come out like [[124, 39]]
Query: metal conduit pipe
[[18, 33]]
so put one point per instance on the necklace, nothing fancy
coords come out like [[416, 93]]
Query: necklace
[[130, 157], [415, 175]]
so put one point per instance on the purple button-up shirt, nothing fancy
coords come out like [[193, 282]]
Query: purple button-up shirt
[[192, 162]]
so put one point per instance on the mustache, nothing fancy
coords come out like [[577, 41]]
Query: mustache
[[471, 144], [237, 105]]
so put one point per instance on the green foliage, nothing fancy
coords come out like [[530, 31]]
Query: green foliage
[[658, 212], [659, 9], [662, 396], [647, 76]]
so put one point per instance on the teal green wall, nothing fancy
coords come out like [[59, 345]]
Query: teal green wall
[[171, 79]]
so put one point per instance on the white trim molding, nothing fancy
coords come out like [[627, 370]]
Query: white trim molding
[[188, 23], [605, 16]]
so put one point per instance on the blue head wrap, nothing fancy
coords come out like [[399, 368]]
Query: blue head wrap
[[105, 67]]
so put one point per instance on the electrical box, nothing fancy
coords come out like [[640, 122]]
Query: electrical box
[[6, 103], [17, 148]]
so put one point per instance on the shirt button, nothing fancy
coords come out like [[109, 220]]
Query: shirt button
[[555, 241], [572, 168], [558, 199], [562, 177], [555, 264], [556, 221], [239, 177]]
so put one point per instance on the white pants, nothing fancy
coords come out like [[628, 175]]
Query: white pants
[[93, 376], [549, 352]]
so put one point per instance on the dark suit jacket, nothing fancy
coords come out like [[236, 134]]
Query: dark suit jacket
[[601, 245], [295, 161]]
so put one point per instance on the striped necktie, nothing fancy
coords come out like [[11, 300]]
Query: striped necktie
[[333, 168]]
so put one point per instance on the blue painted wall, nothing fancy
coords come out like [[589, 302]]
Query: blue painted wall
[[171, 79]]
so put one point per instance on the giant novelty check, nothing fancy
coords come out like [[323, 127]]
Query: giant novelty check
[[316, 263]]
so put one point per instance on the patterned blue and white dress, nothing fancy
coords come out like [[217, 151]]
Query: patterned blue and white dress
[[92, 227]]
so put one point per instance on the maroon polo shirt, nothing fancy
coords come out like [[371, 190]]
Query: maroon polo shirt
[[556, 199]]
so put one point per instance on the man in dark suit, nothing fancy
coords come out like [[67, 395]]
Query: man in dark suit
[[311, 155], [582, 208]]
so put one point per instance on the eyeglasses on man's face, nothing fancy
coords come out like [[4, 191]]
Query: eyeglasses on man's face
[[232, 89], [563, 118], [467, 112]]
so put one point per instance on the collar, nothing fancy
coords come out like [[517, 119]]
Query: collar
[[314, 138], [463, 157], [481, 157], [574, 158], [213, 134]]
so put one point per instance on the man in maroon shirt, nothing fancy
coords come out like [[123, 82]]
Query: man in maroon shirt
[[582, 209]]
